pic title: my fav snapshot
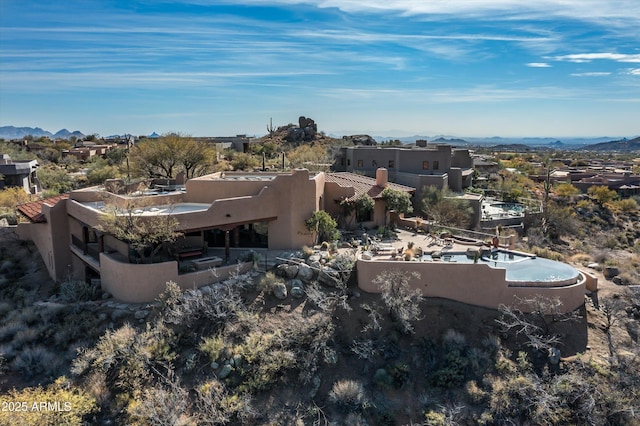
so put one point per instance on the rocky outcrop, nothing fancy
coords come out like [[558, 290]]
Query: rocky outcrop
[[360, 140], [305, 132]]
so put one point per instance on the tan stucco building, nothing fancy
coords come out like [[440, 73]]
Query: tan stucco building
[[224, 210], [415, 166]]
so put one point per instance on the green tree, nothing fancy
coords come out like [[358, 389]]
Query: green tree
[[243, 161], [566, 190], [55, 180], [170, 154], [398, 201], [442, 207], [602, 194], [363, 206], [100, 170], [323, 226]]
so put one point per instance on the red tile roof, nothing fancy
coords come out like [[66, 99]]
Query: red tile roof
[[363, 184], [33, 210]]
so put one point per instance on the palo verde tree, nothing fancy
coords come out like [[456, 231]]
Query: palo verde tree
[[170, 154]]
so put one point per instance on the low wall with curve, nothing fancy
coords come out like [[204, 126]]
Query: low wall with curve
[[474, 284], [143, 283]]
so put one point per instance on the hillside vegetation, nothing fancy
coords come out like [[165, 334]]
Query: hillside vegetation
[[235, 354]]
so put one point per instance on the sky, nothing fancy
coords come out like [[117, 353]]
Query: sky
[[482, 68]]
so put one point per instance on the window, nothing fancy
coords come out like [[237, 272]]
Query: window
[[366, 216], [392, 164], [348, 162], [374, 163], [436, 165], [342, 161], [425, 165], [360, 163]]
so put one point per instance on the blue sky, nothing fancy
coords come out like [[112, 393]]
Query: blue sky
[[392, 68]]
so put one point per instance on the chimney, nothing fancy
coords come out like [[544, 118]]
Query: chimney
[[382, 177]]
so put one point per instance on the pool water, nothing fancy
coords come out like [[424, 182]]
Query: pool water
[[519, 267]]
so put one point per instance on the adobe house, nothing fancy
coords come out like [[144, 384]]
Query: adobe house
[[349, 186], [221, 210], [415, 166], [21, 173]]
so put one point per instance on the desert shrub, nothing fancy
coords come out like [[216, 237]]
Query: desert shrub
[[452, 373], [66, 405], [164, 404], [627, 205], [216, 406], [35, 361], [537, 324], [435, 418], [119, 355], [400, 372], [218, 307], [74, 291], [546, 253], [475, 393], [11, 197], [27, 335], [519, 398], [264, 358], [213, 346], [454, 339], [348, 394], [307, 252], [402, 303], [170, 297], [268, 282], [9, 330]]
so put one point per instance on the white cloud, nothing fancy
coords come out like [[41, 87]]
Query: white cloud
[[588, 57], [633, 71], [538, 65], [610, 13], [590, 74]]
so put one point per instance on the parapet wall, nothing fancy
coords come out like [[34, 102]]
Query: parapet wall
[[474, 284], [143, 283]]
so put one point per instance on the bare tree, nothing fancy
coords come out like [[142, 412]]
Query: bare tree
[[536, 322], [402, 303]]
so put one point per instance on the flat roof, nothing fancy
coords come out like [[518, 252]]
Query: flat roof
[[156, 210]]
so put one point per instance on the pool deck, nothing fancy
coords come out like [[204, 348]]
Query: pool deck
[[428, 244]]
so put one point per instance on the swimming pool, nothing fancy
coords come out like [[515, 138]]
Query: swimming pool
[[521, 269]]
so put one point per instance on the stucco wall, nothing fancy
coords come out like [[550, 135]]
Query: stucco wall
[[51, 238], [143, 283], [474, 284]]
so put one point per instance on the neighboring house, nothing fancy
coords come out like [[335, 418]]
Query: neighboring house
[[349, 186], [87, 150], [415, 166], [19, 173], [240, 143], [225, 210], [624, 182]]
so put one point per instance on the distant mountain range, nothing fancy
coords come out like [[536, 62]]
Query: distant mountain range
[[565, 143], [622, 145], [11, 132], [596, 144]]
